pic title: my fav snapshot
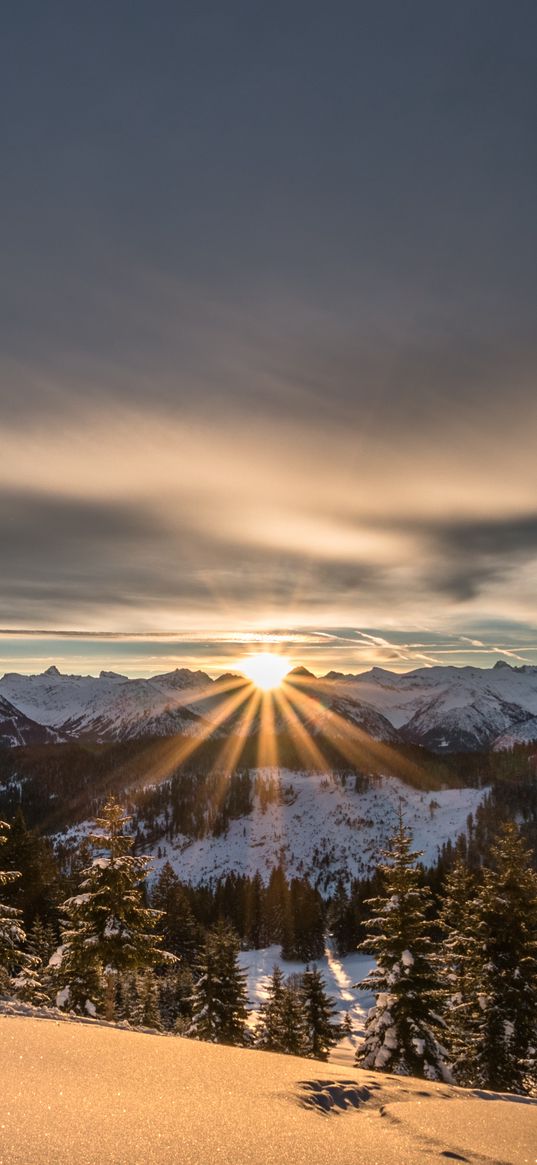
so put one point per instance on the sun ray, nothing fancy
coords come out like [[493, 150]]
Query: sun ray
[[267, 742], [354, 743], [307, 746], [176, 751], [232, 747]]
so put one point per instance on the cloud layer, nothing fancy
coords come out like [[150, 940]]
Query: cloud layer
[[267, 326]]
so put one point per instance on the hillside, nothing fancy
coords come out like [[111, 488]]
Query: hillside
[[321, 826], [80, 1093]]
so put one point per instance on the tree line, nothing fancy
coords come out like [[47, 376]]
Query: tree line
[[122, 956], [455, 980]]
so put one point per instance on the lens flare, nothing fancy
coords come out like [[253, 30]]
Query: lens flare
[[266, 670]]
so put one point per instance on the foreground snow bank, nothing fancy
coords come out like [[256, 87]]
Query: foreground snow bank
[[85, 1094]]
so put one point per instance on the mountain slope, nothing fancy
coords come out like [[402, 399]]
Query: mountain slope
[[16, 729]]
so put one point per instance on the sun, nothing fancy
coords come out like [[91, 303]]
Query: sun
[[267, 669]]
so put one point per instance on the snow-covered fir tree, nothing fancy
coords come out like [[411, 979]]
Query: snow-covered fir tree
[[281, 1022], [501, 1035], [400, 1028], [319, 1011], [219, 1001], [109, 929], [457, 961], [17, 968], [143, 996]]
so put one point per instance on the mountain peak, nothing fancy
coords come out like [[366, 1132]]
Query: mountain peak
[[111, 675], [502, 663], [52, 671]]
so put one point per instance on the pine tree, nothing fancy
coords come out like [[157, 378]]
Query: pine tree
[[255, 922], [293, 1025], [177, 924], [12, 936], [503, 970], [175, 986], [399, 1034], [303, 933], [35, 892], [342, 919], [219, 1010], [319, 1011], [457, 962], [109, 928], [281, 1022], [144, 1009]]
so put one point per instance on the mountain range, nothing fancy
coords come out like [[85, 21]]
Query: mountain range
[[444, 709]]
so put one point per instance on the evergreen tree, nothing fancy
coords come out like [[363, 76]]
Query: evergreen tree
[[281, 1025], [399, 1034], [12, 935], [457, 963], [177, 925], [35, 892], [219, 1010], [255, 922], [175, 986], [319, 1011], [342, 920], [303, 933], [144, 1008], [109, 928], [502, 1037], [293, 1026]]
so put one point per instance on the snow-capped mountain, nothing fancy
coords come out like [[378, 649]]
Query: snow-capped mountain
[[109, 706], [18, 729], [442, 708], [451, 708]]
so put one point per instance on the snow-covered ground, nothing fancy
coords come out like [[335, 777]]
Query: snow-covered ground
[[81, 1094], [340, 975], [321, 828]]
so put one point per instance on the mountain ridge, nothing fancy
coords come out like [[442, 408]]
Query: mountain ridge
[[443, 708]]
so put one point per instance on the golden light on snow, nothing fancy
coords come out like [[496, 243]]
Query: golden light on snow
[[267, 669]]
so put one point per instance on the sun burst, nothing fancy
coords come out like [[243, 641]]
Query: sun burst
[[267, 669]]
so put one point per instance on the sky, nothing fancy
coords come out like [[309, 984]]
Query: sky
[[267, 333]]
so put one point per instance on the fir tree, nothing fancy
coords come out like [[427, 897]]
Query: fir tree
[[281, 1025], [175, 986], [35, 892], [457, 963], [342, 919], [503, 970], [109, 928], [399, 1034], [319, 1011], [144, 1008], [219, 1010], [177, 924], [293, 1026], [12, 936]]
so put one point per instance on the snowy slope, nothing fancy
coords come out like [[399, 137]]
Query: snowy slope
[[77, 1093], [18, 729], [322, 828]]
